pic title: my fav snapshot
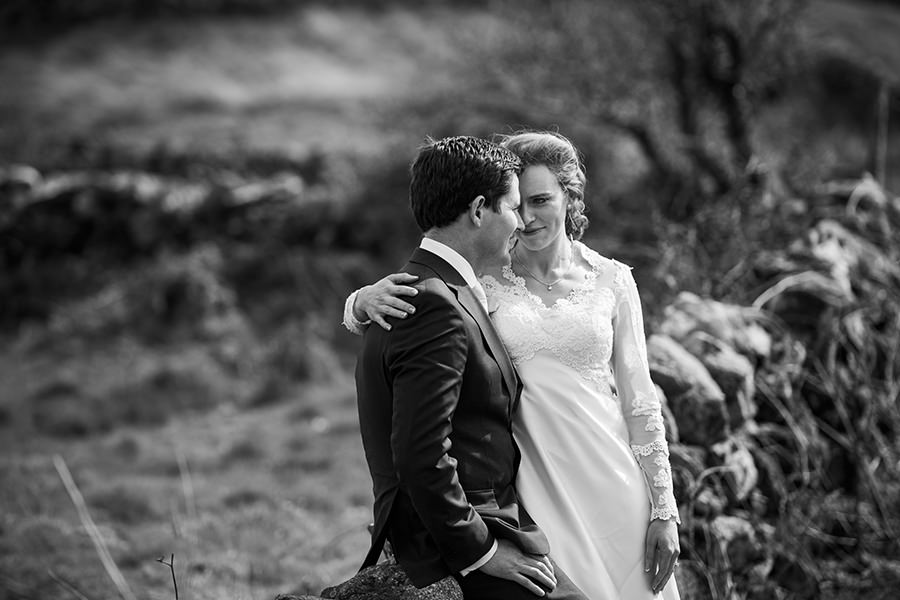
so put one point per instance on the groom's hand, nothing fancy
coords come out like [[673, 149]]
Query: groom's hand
[[534, 572]]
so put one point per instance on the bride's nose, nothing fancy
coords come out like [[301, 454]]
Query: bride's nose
[[525, 215]]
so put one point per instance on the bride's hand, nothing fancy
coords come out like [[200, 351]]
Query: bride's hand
[[383, 299], [661, 553]]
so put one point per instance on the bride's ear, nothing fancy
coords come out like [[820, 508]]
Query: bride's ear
[[476, 210]]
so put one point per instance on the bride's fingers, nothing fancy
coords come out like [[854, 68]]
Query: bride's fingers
[[389, 311], [649, 552], [666, 569], [400, 305], [402, 290], [402, 277], [380, 320]]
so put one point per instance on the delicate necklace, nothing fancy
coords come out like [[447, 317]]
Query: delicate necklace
[[549, 284]]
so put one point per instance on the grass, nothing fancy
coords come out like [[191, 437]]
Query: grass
[[264, 514]]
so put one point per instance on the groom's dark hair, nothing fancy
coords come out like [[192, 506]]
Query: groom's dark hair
[[448, 174]]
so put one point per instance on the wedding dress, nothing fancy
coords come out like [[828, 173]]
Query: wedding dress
[[595, 466]]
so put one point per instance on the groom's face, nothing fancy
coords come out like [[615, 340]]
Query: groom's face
[[499, 227]]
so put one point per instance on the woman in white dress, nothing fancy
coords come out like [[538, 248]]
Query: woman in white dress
[[595, 472]]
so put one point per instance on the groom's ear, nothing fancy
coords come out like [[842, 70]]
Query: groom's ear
[[476, 210]]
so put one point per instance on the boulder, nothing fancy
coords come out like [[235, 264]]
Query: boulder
[[16, 185], [739, 542], [770, 449], [687, 464], [736, 326], [696, 401], [799, 580], [849, 256], [388, 582], [733, 372], [385, 581], [740, 474], [709, 503]]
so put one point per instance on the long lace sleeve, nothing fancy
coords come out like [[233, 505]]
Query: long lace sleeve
[[353, 325], [637, 393]]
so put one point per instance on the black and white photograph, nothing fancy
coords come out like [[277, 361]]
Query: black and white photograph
[[450, 300]]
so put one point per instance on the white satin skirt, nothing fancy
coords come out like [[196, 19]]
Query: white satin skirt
[[580, 482]]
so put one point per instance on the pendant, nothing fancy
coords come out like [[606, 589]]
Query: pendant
[[549, 288]]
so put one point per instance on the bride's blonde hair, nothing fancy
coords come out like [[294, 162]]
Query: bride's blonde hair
[[558, 154]]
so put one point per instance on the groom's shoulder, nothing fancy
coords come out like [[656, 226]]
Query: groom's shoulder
[[431, 286]]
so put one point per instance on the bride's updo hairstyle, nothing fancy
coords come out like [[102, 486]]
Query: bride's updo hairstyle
[[558, 154]]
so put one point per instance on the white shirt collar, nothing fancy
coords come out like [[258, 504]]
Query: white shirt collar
[[453, 257]]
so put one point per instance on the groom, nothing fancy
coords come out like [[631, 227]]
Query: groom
[[436, 394]]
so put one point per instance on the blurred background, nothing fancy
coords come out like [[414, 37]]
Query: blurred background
[[190, 188]]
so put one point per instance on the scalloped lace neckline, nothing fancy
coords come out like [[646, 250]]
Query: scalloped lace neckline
[[518, 282]]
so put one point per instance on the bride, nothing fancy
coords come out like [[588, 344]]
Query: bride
[[595, 470]]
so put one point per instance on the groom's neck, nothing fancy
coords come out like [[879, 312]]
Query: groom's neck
[[459, 242]]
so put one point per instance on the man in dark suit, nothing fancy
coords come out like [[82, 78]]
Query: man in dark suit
[[436, 393]]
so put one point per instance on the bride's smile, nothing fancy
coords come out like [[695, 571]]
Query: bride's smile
[[543, 208]]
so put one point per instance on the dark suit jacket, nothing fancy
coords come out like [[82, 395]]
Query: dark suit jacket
[[436, 396]]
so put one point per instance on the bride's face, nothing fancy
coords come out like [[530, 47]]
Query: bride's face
[[543, 208]]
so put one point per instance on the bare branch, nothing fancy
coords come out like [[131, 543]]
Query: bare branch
[[171, 565]]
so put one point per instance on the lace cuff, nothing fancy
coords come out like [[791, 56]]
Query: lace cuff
[[353, 325], [654, 461]]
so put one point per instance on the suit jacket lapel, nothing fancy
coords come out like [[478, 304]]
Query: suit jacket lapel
[[468, 301], [472, 304]]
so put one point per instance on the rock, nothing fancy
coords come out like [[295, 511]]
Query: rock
[[16, 184], [794, 577], [740, 473], [281, 186], [772, 484], [387, 581], [677, 370], [687, 464], [736, 326], [24, 176], [805, 300], [709, 504], [849, 255], [696, 401], [739, 542], [732, 371]]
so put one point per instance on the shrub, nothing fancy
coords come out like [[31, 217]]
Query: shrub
[[61, 409], [124, 505]]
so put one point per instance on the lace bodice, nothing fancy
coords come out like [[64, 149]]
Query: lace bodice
[[598, 331], [576, 329]]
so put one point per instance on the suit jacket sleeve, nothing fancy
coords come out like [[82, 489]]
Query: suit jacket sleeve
[[426, 360]]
